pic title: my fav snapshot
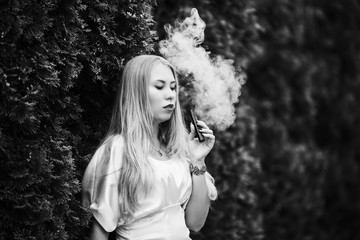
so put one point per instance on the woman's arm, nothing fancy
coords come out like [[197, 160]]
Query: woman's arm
[[198, 206], [98, 232]]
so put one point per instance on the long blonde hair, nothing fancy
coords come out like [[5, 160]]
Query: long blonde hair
[[133, 120]]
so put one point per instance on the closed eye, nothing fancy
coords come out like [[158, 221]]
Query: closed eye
[[161, 84]]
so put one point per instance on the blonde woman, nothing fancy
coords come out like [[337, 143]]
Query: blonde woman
[[148, 179]]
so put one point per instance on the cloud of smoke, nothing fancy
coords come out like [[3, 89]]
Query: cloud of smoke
[[216, 83]]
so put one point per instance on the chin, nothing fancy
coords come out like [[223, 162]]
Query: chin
[[163, 119]]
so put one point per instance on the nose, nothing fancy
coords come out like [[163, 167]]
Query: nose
[[170, 94]]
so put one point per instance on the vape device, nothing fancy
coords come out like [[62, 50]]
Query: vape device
[[197, 132]]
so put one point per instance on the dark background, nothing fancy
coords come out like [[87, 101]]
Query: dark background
[[288, 168]]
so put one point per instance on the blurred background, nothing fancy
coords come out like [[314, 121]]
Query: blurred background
[[288, 168]]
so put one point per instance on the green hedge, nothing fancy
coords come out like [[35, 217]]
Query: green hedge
[[58, 70], [288, 168]]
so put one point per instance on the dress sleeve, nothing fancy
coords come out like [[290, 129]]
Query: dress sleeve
[[210, 183], [100, 191]]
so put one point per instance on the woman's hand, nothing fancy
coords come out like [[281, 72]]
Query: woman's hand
[[199, 150]]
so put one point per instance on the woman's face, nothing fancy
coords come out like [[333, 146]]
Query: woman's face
[[162, 92]]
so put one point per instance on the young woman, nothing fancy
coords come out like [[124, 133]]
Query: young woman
[[148, 179]]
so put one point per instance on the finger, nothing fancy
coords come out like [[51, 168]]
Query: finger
[[206, 130], [209, 140], [202, 124], [208, 135], [192, 131]]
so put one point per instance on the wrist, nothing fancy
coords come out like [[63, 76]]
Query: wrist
[[197, 169], [198, 162]]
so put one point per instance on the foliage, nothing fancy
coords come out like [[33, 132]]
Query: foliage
[[334, 40], [288, 168], [56, 57], [305, 88]]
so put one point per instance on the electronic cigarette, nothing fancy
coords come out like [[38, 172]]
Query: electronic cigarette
[[197, 132]]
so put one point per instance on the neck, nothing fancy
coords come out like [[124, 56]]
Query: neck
[[157, 146], [156, 129], [156, 134]]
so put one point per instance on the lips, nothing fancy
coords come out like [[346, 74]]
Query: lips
[[169, 106]]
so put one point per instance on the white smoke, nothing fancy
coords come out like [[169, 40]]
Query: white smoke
[[217, 84]]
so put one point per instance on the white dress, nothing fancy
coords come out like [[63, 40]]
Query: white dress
[[160, 214]]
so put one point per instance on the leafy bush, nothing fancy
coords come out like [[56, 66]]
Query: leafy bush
[[58, 69]]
